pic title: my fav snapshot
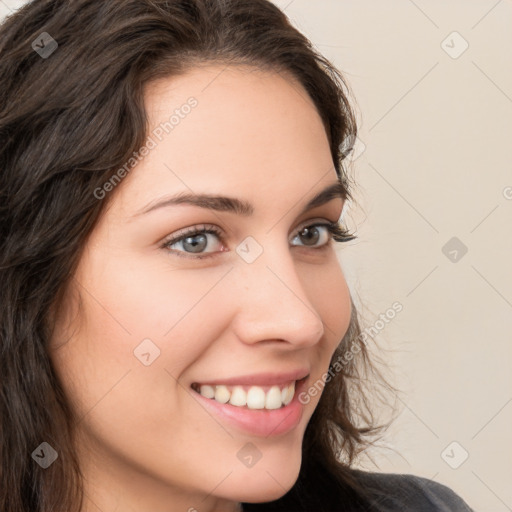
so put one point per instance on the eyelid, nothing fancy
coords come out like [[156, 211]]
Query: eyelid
[[313, 222], [182, 233]]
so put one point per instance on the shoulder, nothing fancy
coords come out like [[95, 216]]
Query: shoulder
[[396, 491]]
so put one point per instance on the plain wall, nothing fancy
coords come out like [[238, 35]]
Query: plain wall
[[436, 164]]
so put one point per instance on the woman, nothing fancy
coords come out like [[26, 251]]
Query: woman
[[177, 333]]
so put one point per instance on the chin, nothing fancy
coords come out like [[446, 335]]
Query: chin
[[266, 484]]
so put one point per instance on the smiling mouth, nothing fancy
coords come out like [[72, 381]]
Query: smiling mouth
[[250, 397]]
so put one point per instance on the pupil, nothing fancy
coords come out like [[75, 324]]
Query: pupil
[[194, 245]]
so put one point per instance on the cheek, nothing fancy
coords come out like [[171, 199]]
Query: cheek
[[131, 310], [329, 294], [137, 301]]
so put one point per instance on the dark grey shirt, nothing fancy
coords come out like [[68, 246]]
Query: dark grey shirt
[[393, 492]]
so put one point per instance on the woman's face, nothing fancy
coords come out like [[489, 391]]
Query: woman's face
[[250, 308]]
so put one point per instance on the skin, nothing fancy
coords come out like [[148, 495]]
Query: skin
[[145, 442]]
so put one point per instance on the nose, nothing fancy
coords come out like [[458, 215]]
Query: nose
[[272, 303]]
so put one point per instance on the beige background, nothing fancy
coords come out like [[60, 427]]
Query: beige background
[[436, 165], [433, 163]]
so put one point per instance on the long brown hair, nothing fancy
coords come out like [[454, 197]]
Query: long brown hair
[[72, 74]]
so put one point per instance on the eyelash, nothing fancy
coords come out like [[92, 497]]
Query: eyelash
[[337, 232]]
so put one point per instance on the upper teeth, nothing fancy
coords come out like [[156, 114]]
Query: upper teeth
[[254, 398]]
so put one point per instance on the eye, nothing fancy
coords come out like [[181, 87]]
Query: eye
[[193, 242], [314, 235], [333, 230]]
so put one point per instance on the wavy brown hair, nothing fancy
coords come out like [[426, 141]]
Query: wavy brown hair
[[68, 121]]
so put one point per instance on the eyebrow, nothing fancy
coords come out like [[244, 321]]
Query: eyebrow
[[238, 206]]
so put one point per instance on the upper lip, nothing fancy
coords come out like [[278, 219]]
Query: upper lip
[[261, 379]]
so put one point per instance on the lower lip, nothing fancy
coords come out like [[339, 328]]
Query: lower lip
[[260, 422]]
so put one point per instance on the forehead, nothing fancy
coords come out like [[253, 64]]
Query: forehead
[[230, 98], [249, 130]]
